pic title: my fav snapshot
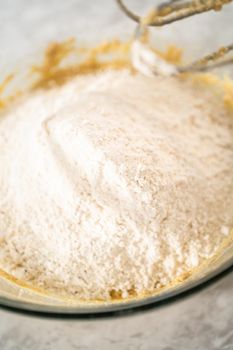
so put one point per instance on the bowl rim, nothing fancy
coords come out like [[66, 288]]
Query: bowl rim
[[94, 309]]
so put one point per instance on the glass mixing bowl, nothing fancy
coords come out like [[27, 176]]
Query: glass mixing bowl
[[26, 29]]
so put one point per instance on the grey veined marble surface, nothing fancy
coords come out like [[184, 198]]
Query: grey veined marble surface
[[202, 321]]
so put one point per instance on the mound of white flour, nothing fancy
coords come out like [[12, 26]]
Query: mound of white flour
[[114, 182]]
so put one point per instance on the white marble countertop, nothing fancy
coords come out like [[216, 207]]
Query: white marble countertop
[[201, 321]]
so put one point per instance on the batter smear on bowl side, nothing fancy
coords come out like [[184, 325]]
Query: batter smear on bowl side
[[114, 183]]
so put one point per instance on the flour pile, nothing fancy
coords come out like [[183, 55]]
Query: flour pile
[[113, 184]]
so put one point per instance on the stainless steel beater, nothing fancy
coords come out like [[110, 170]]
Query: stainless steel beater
[[168, 12]]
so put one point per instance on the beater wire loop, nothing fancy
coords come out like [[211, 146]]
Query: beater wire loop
[[176, 10]]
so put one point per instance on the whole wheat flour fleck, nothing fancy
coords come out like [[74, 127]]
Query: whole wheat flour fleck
[[113, 183]]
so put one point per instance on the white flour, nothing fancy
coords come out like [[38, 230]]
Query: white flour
[[112, 183]]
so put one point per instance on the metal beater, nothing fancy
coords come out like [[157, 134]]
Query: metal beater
[[148, 62]]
